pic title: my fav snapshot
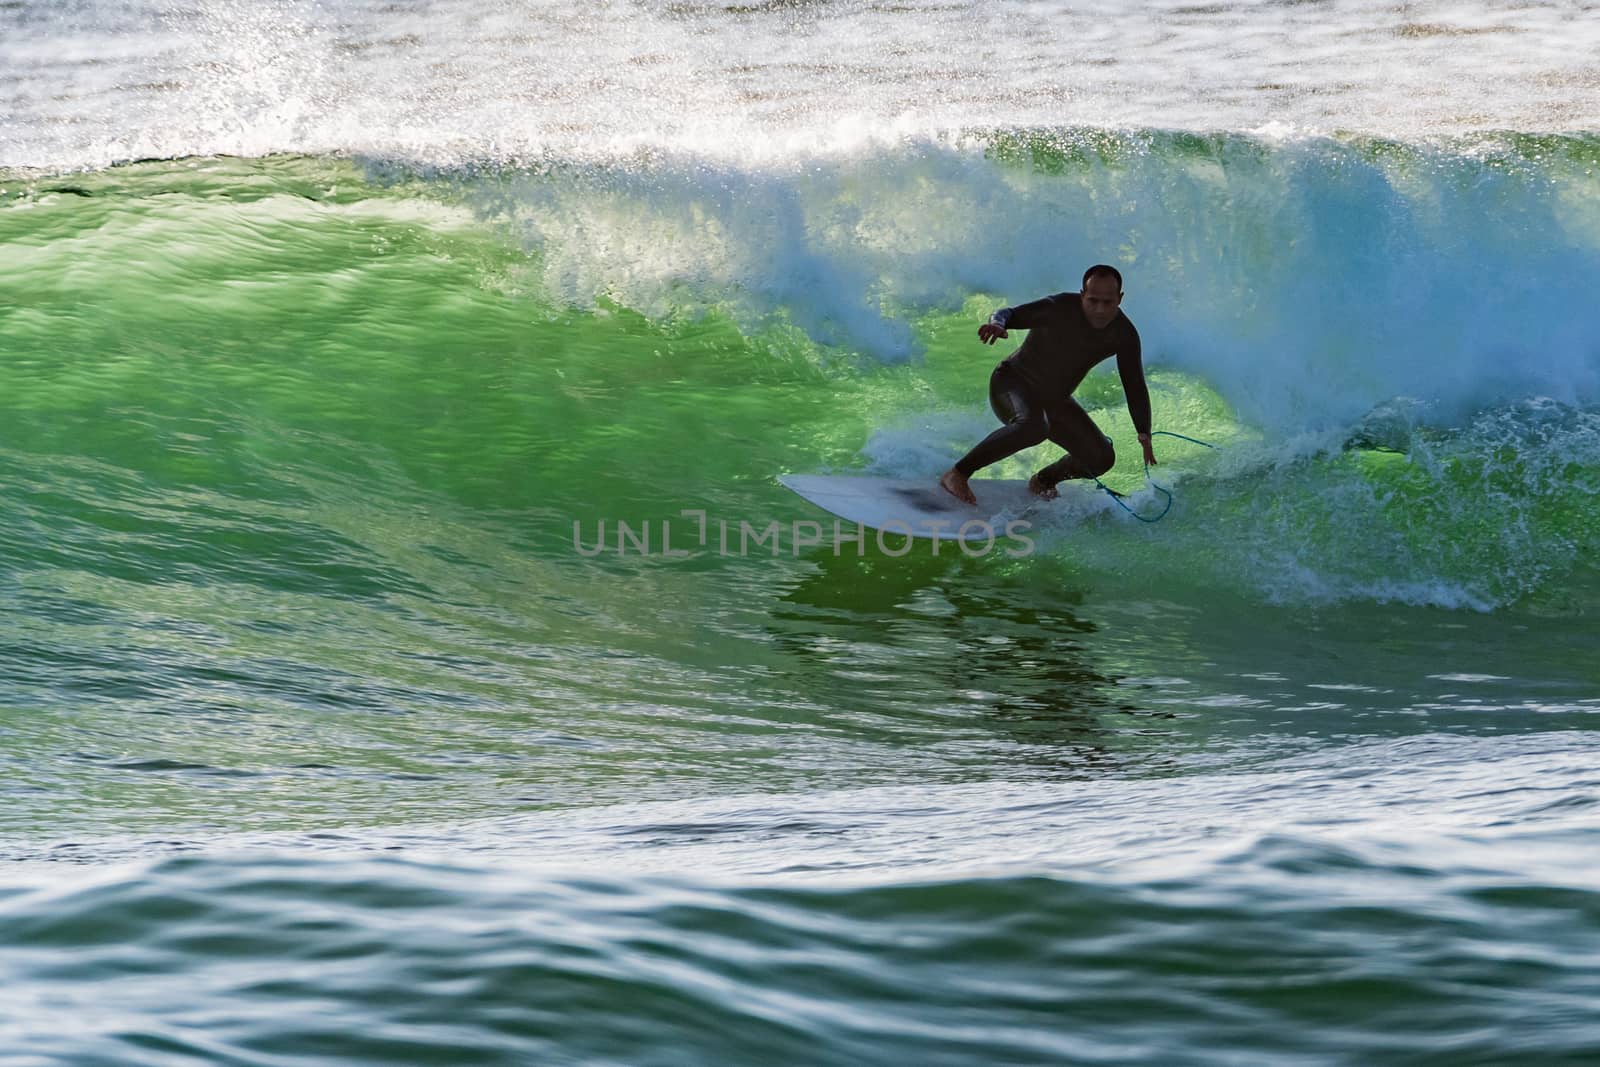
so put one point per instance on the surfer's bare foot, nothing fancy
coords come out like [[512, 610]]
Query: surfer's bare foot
[[955, 483], [1040, 490]]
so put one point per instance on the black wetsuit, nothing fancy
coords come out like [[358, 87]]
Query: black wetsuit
[[1031, 390]]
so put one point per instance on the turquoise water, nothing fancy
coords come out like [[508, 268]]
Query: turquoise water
[[328, 736]]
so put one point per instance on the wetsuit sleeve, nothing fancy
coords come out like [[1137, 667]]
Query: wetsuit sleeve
[[1130, 366], [1023, 316]]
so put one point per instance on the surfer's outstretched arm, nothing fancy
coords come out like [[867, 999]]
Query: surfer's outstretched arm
[[1021, 317], [1026, 316], [1130, 368], [995, 329]]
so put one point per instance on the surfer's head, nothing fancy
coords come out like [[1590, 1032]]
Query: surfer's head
[[1102, 295]]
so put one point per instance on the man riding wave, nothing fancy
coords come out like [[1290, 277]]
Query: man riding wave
[[1031, 390]]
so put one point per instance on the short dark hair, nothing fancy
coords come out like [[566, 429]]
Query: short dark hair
[[1103, 270]]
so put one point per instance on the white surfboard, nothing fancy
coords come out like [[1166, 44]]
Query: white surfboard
[[920, 508]]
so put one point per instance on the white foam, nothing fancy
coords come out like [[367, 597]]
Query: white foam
[[1307, 283], [454, 81]]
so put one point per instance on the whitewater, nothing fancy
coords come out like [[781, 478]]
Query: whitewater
[[332, 332]]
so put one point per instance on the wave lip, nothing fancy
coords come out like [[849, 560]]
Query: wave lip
[[1308, 282]]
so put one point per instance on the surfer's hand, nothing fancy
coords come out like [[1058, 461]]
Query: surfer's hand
[[1149, 451], [989, 333]]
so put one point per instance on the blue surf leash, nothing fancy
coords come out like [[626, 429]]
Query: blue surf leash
[[1160, 489]]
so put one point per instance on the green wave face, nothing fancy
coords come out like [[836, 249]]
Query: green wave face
[[314, 451], [254, 336]]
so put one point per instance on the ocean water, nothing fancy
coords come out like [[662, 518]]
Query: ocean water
[[409, 657]]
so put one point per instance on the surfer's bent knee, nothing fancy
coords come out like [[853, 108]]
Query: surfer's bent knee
[[1100, 460]]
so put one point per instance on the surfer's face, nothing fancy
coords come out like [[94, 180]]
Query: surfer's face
[[1101, 298]]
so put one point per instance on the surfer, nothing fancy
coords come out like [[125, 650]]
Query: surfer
[[1031, 390]]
